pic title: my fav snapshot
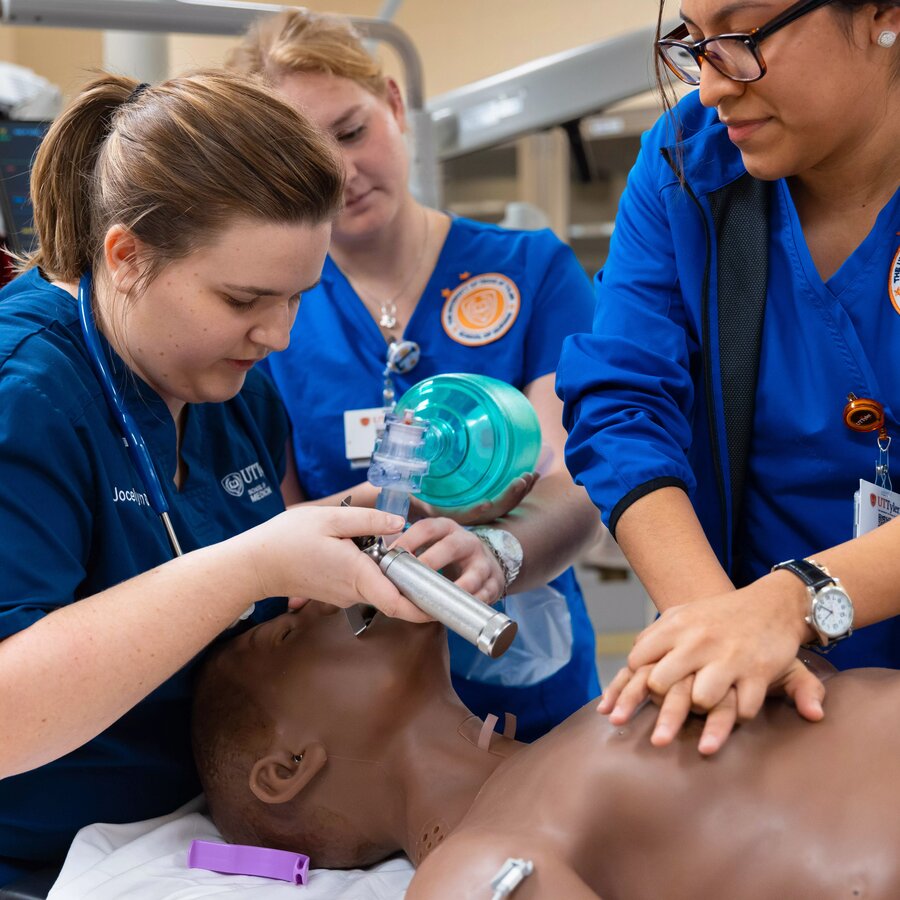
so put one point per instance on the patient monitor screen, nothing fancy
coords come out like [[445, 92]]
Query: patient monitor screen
[[18, 144]]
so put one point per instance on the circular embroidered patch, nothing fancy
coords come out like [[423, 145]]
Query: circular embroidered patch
[[894, 282], [481, 310]]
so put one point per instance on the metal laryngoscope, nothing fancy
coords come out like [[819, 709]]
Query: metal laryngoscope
[[397, 468], [490, 630]]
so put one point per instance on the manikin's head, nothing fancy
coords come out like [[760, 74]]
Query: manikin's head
[[298, 726]]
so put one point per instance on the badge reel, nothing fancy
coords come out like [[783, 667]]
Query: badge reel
[[402, 358], [875, 502], [362, 427]]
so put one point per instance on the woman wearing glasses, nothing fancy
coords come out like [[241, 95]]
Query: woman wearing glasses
[[464, 297], [741, 378]]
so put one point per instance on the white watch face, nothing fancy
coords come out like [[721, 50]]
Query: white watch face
[[510, 548], [833, 612], [507, 545]]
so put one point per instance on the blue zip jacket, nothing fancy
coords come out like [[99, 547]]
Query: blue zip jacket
[[643, 393]]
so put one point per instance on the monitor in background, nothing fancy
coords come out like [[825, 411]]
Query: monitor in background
[[18, 143]]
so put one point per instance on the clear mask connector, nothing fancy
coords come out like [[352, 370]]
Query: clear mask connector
[[399, 462]]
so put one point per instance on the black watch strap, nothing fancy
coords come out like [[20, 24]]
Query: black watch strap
[[810, 574]]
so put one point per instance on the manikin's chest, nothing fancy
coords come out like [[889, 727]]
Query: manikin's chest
[[787, 809]]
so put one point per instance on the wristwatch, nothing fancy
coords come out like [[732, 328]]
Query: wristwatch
[[505, 547], [830, 606]]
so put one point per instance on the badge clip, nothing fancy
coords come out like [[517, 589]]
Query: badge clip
[[862, 414]]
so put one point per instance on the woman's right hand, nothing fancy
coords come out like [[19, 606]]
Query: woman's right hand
[[306, 552]]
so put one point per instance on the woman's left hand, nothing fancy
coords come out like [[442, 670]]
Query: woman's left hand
[[482, 513], [461, 556], [628, 690]]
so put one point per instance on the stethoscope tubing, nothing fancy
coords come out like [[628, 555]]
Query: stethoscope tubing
[[134, 441]]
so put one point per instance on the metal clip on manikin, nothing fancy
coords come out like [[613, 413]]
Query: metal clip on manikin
[[512, 873]]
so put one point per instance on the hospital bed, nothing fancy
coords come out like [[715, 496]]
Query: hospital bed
[[149, 861]]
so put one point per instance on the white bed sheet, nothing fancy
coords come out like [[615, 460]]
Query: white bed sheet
[[148, 861]]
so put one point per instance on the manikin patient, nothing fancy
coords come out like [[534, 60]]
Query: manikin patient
[[350, 749]]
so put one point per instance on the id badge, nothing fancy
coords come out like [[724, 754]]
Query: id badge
[[362, 427], [874, 506]]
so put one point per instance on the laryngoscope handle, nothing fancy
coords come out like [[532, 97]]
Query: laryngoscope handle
[[488, 629]]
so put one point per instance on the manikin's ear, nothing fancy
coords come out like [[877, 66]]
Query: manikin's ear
[[395, 101], [120, 252], [280, 776]]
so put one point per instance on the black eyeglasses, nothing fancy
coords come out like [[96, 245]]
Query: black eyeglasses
[[736, 56]]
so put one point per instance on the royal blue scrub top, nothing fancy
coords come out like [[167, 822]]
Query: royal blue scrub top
[[75, 520], [498, 303], [821, 341], [642, 397]]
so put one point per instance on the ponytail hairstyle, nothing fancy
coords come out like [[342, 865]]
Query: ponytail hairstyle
[[296, 40], [176, 164]]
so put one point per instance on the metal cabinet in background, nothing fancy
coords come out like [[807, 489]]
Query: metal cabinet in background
[[574, 178]]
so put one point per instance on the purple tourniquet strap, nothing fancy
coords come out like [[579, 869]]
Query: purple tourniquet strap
[[238, 859]]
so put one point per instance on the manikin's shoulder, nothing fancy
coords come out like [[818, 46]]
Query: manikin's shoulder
[[465, 865]]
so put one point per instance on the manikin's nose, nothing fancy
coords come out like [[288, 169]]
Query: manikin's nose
[[316, 608]]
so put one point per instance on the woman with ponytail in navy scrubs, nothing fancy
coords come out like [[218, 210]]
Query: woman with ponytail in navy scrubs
[[186, 203]]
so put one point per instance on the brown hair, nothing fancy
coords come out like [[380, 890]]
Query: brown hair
[[295, 40], [174, 163]]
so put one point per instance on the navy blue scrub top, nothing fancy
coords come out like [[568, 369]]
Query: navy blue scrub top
[[75, 520]]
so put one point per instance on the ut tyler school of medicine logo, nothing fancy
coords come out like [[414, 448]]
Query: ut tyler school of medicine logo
[[894, 281], [251, 479], [481, 310]]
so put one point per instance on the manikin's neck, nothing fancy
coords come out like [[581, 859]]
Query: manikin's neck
[[441, 740]]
